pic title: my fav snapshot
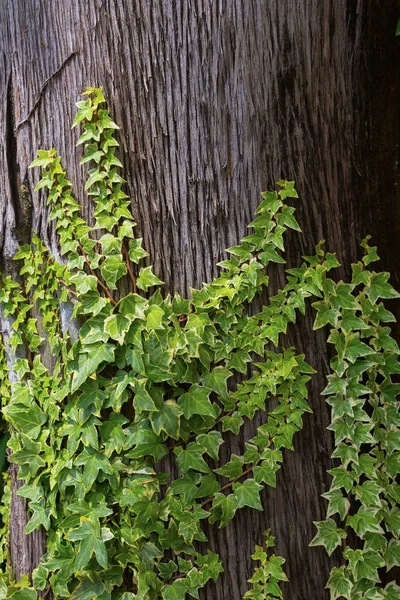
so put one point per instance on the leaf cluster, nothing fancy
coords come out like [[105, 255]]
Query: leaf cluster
[[152, 380]]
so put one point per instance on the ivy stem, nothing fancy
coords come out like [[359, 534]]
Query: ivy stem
[[228, 485], [129, 267], [68, 288], [101, 284]]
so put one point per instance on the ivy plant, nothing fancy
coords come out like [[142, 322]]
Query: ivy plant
[[364, 493], [99, 386]]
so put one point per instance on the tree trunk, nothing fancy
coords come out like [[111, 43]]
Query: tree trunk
[[217, 100]]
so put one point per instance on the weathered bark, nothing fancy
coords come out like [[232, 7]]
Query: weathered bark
[[216, 101]]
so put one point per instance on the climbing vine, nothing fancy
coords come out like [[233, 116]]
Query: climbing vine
[[99, 386]]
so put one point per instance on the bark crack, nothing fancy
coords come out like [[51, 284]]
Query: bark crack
[[44, 86], [11, 149]]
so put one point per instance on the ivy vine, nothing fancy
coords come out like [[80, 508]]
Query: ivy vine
[[98, 386]]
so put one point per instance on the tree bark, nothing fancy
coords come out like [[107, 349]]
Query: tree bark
[[217, 100]]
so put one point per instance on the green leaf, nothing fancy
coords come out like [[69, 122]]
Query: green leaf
[[380, 288], [26, 418], [364, 564], [248, 494], [92, 539], [142, 400], [93, 463], [233, 468], [167, 419], [350, 322], [191, 458], [340, 584], [40, 517], [328, 535], [154, 317], [216, 380], [341, 478], [112, 269], [136, 252], [211, 443], [147, 279], [196, 402], [132, 306], [89, 361], [369, 493], [355, 348], [176, 591], [266, 473], [89, 590], [223, 509], [23, 594], [117, 326], [392, 520], [326, 313], [392, 554], [343, 297], [337, 503], [28, 455], [365, 520]]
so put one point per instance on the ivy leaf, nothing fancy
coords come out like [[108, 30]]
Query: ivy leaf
[[364, 564], [369, 493], [136, 251], [233, 468], [142, 400], [392, 554], [196, 402], [147, 279], [341, 478], [380, 288], [191, 458], [167, 419], [40, 517], [92, 539], [216, 380], [92, 303], [363, 521], [392, 591], [29, 455], [211, 443], [89, 589], [328, 535], [26, 418], [336, 385], [350, 322], [176, 591], [223, 509], [112, 269], [132, 306], [340, 584], [355, 348], [154, 317], [248, 494], [343, 297], [93, 463], [266, 473], [232, 423], [117, 326], [325, 314], [89, 361], [337, 503], [392, 520], [24, 594]]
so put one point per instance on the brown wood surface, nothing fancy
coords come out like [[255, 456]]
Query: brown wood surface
[[217, 99]]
